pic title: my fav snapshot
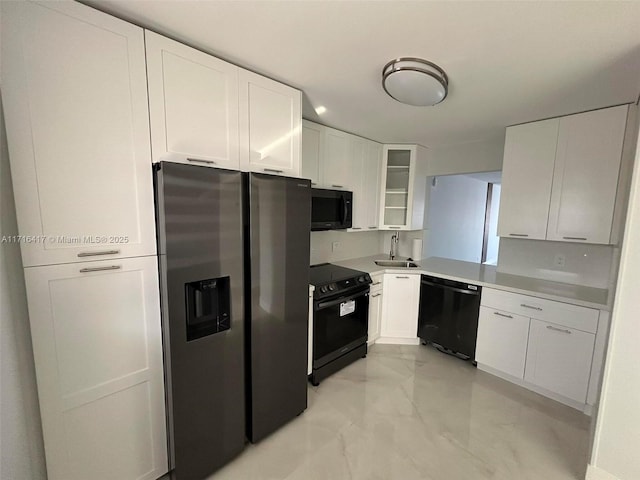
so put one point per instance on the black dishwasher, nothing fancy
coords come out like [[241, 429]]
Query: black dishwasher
[[448, 315]]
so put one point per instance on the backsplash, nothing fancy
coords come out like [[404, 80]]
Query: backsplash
[[350, 245], [405, 245], [359, 244], [585, 264]]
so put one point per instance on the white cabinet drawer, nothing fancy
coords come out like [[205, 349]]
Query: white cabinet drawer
[[376, 284], [502, 341], [559, 359], [572, 316]]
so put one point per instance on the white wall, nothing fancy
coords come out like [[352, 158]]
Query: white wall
[[456, 218], [482, 156], [493, 241], [22, 454], [585, 264], [617, 438]]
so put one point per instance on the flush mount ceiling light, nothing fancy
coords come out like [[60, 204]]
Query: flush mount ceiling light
[[415, 81]]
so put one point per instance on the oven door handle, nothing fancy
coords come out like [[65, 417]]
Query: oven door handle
[[331, 303]]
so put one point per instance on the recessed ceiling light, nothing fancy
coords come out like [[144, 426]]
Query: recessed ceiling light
[[415, 81], [321, 109]]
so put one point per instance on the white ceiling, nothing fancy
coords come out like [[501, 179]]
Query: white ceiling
[[508, 62]]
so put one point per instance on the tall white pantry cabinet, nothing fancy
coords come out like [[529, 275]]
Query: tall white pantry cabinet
[[75, 99]]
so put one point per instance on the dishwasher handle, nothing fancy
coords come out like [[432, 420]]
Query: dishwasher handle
[[448, 287]]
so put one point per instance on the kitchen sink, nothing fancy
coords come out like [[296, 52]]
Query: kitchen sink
[[396, 263]]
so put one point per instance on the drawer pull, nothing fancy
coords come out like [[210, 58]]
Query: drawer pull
[[502, 315], [377, 283], [524, 305], [518, 234], [356, 228], [401, 277], [337, 186], [201, 160], [376, 295], [556, 329], [100, 269], [272, 170], [373, 228], [575, 238], [102, 252]]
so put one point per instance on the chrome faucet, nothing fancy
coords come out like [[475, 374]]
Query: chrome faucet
[[394, 245]]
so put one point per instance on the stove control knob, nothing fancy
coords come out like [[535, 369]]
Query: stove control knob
[[332, 287], [362, 279], [323, 289]]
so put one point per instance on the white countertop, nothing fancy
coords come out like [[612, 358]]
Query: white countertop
[[487, 276]]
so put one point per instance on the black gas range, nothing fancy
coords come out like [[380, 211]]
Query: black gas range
[[340, 318]]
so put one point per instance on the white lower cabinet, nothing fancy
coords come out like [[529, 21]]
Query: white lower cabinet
[[502, 341], [543, 345], [97, 345], [559, 359], [375, 309], [400, 309]]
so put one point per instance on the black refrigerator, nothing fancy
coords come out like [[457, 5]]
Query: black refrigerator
[[234, 264], [277, 232]]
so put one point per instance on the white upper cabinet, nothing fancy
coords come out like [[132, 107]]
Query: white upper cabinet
[[312, 151], [339, 160], [97, 345], [527, 174], [403, 187], [75, 101], [336, 167], [371, 184], [586, 174], [561, 178], [270, 126], [357, 153], [193, 105]]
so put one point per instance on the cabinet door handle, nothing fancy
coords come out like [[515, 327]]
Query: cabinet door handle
[[356, 228], [95, 254], [377, 283], [524, 305], [518, 234], [556, 329], [201, 160], [575, 238], [401, 277], [313, 183], [376, 295], [337, 186], [502, 315], [272, 170], [373, 228], [100, 269]]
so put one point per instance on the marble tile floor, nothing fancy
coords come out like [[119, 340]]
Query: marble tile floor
[[411, 412]]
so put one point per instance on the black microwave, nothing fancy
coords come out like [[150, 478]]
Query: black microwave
[[330, 209]]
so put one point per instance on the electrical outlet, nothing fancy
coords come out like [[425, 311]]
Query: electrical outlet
[[335, 246], [559, 260]]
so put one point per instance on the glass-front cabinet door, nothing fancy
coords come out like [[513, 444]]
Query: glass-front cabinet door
[[403, 187]]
